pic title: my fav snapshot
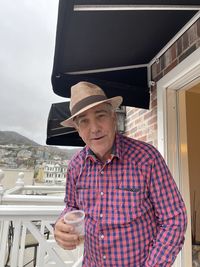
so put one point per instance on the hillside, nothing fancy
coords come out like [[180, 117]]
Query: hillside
[[14, 138], [8, 137]]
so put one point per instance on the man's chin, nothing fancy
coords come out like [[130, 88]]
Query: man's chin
[[98, 142]]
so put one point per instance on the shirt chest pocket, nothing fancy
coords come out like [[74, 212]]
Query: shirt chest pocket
[[127, 204]]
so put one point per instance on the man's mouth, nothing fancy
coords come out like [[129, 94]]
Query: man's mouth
[[98, 138]]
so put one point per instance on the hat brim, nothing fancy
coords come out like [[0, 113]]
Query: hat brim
[[114, 101]]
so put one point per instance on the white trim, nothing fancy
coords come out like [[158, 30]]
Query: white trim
[[161, 119], [185, 72], [133, 7], [182, 70]]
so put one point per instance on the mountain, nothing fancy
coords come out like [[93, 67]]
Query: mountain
[[14, 138], [8, 137]]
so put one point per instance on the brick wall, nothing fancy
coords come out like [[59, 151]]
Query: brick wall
[[142, 124], [181, 49]]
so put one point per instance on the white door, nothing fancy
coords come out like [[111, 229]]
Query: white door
[[173, 128], [183, 146]]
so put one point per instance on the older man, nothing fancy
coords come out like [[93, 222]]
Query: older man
[[135, 215]]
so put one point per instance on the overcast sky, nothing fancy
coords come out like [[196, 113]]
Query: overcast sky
[[27, 42]]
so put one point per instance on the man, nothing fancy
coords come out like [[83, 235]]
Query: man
[[135, 215]]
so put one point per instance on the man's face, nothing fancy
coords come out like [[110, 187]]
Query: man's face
[[97, 128]]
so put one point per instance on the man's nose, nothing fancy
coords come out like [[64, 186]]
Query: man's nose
[[94, 126]]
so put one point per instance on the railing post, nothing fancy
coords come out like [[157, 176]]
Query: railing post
[[1, 186], [20, 181], [16, 243], [4, 228]]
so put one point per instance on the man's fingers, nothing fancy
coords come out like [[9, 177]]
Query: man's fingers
[[64, 235], [67, 238], [67, 242], [63, 227]]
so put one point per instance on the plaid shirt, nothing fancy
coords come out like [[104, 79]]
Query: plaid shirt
[[135, 215]]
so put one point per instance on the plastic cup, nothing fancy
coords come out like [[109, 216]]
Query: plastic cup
[[75, 218]]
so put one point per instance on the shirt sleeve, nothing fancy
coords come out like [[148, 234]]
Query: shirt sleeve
[[70, 191], [171, 216]]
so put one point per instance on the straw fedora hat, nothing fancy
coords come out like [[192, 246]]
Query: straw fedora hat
[[85, 95]]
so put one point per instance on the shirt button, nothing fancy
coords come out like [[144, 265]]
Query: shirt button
[[102, 236], [101, 193], [102, 172], [104, 257], [101, 215]]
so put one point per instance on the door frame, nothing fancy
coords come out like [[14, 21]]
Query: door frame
[[171, 96]]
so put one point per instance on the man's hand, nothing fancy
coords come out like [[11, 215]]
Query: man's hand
[[65, 236]]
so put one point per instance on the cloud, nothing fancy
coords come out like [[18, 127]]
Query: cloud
[[26, 58]]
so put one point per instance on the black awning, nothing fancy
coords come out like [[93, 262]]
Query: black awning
[[110, 48], [131, 84], [57, 134], [89, 41]]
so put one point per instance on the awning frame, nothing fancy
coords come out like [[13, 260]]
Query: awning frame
[[133, 7], [96, 8]]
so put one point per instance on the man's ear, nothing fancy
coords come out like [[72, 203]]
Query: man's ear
[[115, 116], [76, 128]]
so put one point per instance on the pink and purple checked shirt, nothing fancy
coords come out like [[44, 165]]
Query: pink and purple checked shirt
[[135, 215]]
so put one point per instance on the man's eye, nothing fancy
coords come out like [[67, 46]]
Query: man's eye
[[102, 115], [83, 122]]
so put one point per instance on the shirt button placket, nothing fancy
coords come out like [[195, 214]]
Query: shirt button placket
[[101, 193], [102, 237], [101, 214]]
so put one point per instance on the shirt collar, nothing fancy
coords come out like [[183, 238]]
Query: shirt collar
[[116, 150]]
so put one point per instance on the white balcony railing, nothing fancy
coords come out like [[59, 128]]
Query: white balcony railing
[[26, 221]]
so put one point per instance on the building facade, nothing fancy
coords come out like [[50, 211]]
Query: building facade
[[54, 173], [172, 124]]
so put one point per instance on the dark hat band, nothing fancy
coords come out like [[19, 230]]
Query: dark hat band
[[86, 102]]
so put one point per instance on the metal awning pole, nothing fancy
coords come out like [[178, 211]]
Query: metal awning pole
[[108, 69], [134, 7]]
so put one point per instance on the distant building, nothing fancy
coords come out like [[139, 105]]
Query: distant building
[[52, 172]]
